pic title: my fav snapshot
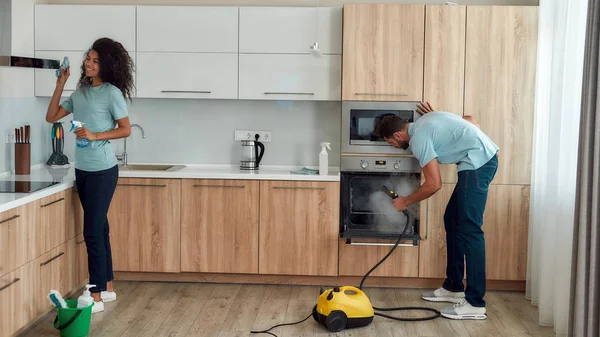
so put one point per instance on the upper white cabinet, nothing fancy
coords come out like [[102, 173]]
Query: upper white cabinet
[[45, 80], [194, 29], [290, 30], [187, 75], [290, 77], [76, 27]]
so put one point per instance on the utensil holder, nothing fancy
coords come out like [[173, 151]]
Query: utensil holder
[[23, 158]]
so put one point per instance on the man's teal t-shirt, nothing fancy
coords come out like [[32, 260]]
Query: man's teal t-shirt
[[450, 139], [98, 108]]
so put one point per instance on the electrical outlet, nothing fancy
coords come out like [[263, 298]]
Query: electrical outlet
[[10, 137], [264, 136]]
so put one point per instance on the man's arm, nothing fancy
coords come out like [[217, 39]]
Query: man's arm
[[432, 184]]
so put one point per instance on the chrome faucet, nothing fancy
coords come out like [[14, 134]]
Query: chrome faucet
[[123, 157]]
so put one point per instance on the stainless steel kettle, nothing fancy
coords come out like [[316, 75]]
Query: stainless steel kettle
[[250, 155]]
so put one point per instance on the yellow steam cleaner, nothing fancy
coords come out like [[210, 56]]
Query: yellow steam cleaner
[[347, 307]]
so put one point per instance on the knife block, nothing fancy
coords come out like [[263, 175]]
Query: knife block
[[23, 158]]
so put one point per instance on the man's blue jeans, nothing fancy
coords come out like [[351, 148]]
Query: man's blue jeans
[[463, 220]]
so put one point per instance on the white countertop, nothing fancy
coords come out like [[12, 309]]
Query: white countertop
[[66, 178]]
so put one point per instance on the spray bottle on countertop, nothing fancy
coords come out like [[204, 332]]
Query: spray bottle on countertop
[[81, 142], [324, 159], [86, 299]]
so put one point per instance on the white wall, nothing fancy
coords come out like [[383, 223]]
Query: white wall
[[202, 131], [284, 2]]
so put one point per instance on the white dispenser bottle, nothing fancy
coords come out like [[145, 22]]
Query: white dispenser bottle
[[324, 159], [86, 299]]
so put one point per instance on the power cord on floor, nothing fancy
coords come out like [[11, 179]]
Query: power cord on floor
[[278, 325], [434, 316]]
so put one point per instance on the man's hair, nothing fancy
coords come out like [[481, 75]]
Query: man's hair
[[389, 125]]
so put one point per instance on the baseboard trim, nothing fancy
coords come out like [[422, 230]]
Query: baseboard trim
[[393, 282]]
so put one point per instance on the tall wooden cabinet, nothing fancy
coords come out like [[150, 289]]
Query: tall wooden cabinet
[[144, 225], [500, 70], [383, 52]]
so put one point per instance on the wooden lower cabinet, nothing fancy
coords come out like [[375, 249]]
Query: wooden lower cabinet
[[144, 225], [299, 228], [79, 270], [18, 296], [50, 222], [219, 226], [505, 226], [55, 273], [16, 234]]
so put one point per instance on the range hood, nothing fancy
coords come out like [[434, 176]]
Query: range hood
[[7, 59]]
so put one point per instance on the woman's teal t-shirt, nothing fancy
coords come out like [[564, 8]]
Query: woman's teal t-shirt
[[98, 108]]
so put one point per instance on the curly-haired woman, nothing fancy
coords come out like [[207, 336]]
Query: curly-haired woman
[[99, 102]]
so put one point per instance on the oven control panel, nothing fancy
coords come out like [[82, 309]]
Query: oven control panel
[[380, 164]]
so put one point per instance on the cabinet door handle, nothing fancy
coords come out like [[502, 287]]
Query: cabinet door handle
[[380, 244], [297, 188], [290, 93], [80, 242], [10, 284], [10, 219], [187, 91], [52, 203], [141, 185], [375, 94], [224, 186], [52, 259]]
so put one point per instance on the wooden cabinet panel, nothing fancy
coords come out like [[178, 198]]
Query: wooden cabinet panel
[[505, 226], [79, 261], [54, 274], [15, 238], [77, 212], [219, 226], [299, 227], [357, 260], [17, 299], [500, 82], [432, 251], [383, 52], [50, 222], [144, 225], [444, 75], [445, 57]]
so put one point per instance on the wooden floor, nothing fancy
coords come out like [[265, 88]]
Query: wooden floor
[[228, 310]]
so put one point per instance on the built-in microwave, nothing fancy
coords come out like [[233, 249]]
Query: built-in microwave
[[359, 120]]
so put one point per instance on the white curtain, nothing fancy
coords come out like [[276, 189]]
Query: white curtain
[[561, 44]]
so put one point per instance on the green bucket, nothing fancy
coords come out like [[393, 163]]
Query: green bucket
[[73, 321]]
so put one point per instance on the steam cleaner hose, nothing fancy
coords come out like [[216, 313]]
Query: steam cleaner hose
[[435, 315]]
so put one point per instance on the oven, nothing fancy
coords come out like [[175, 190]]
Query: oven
[[367, 212], [359, 119]]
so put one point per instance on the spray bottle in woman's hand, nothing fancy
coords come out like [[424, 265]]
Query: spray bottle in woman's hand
[[81, 142]]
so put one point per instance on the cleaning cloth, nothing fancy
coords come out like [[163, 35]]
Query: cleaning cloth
[[63, 66], [305, 170]]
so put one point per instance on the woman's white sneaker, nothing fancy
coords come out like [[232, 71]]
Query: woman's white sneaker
[[108, 296], [464, 310], [97, 307], [443, 295]]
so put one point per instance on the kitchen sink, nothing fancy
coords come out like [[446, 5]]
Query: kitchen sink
[[151, 167]]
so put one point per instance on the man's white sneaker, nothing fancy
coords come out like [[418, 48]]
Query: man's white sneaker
[[108, 296], [464, 310], [443, 295], [97, 307]]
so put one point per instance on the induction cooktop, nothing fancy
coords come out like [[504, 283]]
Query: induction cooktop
[[11, 186]]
